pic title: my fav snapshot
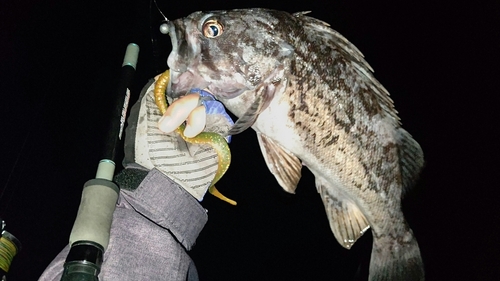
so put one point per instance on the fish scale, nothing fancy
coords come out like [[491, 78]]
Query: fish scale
[[313, 101]]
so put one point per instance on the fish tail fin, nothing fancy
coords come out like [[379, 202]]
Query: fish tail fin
[[396, 258]]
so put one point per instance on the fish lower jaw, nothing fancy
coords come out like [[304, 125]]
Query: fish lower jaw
[[225, 92], [182, 83]]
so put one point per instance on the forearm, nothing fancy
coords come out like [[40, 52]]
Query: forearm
[[148, 225]]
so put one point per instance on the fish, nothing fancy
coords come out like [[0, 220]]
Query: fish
[[313, 101]]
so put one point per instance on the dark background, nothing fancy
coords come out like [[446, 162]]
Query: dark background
[[59, 62]]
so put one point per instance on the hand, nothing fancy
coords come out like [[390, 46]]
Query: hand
[[151, 143], [186, 109]]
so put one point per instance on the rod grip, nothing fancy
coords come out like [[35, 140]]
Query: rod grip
[[95, 214]]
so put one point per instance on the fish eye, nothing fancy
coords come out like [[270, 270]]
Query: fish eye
[[212, 28]]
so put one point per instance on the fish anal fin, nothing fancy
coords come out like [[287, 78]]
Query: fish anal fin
[[347, 221], [285, 166]]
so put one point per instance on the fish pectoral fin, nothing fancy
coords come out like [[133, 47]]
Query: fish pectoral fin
[[347, 221], [285, 166], [264, 96]]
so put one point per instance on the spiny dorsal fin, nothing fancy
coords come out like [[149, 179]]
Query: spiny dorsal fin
[[285, 166], [329, 37], [346, 220]]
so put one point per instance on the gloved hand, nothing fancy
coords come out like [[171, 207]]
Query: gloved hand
[[150, 143]]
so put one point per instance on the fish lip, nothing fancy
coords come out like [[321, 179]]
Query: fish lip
[[181, 83], [226, 93]]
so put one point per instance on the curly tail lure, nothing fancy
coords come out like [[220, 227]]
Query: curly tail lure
[[217, 142]]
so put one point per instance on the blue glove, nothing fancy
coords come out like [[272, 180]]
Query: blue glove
[[213, 106]]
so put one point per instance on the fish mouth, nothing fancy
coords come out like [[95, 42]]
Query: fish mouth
[[182, 77], [181, 83], [185, 62]]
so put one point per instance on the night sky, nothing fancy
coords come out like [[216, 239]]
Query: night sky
[[59, 65]]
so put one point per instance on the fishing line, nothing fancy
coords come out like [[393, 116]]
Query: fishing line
[[12, 181], [9, 244], [12, 171], [156, 4], [9, 247], [153, 32], [7, 253]]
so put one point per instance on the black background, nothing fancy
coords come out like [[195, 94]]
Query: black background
[[59, 62]]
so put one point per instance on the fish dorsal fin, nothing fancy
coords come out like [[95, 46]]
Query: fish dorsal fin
[[285, 166], [346, 220]]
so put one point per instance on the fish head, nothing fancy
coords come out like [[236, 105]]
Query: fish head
[[228, 52]]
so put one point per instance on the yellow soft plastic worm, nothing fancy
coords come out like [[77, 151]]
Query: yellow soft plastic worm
[[215, 140]]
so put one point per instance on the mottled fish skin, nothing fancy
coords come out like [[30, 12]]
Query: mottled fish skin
[[313, 100]]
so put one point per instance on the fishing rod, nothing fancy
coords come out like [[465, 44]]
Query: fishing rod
[[89, 237]]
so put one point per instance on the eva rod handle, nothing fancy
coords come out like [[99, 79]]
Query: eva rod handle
[[95, 214]]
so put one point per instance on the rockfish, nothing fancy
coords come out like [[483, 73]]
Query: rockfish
[[313, 101]]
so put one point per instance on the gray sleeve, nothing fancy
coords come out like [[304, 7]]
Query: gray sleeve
[[152, 228]]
